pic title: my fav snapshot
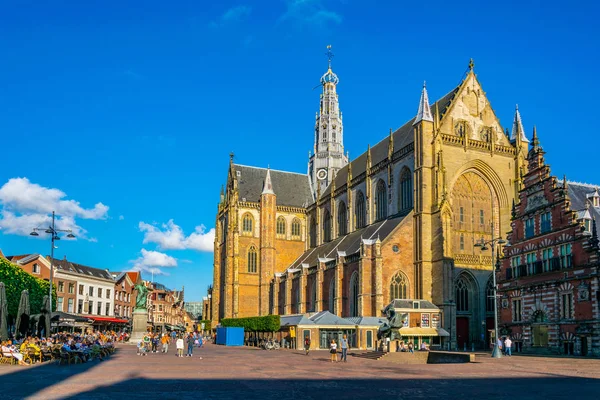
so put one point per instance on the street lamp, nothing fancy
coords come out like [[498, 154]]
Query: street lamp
[[485, 245], [54, 232]]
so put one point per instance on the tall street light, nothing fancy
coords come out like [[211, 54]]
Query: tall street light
[[54, 236], [484, 245]]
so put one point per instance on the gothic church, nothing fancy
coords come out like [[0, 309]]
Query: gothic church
[[398, 222]]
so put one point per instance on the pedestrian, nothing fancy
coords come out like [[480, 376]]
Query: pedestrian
[[154, 342], [508, 346], [173, 335], [190, 345], [344, 346], [333, 350], [411, 349], [307, 344], [179, 345], [165, 343], [499, 344]]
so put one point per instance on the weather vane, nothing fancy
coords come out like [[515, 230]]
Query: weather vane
[[329, 55]]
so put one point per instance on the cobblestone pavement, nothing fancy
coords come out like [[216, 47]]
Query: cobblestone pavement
[[248, 373]]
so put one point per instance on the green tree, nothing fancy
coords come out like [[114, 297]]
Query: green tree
[[17, 280]]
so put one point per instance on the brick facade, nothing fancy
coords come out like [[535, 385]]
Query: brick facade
[[548, 282]]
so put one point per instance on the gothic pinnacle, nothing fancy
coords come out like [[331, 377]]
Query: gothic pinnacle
[[424, 111]]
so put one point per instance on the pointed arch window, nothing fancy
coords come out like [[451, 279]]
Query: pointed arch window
[[353, 295], [360, 215], [380, 201], [406, 190], [247, 224], [252, 260], [489, 296], [342, 219], [462, 288], [281, 226], [313, 233], [296, 228], [313, 296], [399, 286], [332, 296], [326, 226]]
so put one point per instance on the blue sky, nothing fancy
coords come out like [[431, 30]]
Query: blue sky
[[121, 115]]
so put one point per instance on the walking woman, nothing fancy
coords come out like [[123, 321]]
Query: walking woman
[[333, 351]]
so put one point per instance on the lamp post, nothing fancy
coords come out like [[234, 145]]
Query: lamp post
[[483, 245], [54, 236]]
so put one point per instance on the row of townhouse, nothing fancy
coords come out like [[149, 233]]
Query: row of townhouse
[[107, 298]]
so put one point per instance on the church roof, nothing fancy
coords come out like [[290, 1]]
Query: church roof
[[578, 193], [349, 243], [403, 136], [291, 189]]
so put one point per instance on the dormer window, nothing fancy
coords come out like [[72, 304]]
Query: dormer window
[[587, 223]]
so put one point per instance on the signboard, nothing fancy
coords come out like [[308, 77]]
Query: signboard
[[292, 331], [435, 320], [424, 320], [202, 326]]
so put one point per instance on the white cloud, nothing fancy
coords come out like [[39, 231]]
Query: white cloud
[[121, 218], [151, 261], [232, 15], [170, 236], [309, 12], [27, 205]]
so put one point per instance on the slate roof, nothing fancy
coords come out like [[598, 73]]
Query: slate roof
[[327, 318], [578, 193], [292, 189], [408, 303], [367, 321], [294, 320], [403, 136], [84, 270], [350, 243]]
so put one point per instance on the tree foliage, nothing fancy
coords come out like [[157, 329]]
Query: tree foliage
[[268, 323], [16, 280], [206, 323]]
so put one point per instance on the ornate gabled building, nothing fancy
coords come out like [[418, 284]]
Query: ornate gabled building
[[548, 282], [397, 222]]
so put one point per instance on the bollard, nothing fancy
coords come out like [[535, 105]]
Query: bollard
[[465, 347], [472, 347]]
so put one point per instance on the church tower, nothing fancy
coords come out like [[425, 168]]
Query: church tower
[[328, 152]]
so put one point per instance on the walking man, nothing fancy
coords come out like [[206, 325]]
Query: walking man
[[165, 343], [307, 344], [190, 345], [344, 345], [508, 346], [499, 344]]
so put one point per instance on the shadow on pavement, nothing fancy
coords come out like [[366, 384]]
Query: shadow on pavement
[[22, 382], [526, 388]]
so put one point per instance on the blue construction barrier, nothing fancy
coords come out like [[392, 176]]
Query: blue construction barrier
[[230, 336]]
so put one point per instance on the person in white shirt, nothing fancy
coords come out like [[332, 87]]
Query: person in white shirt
[[333, 350], [179, 345], [508, 346]]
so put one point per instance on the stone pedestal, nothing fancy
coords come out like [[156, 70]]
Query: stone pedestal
[[140, 326]]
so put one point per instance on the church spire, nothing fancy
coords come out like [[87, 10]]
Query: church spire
[[424, 112], [517, 128], [268, 186], [328, 154]]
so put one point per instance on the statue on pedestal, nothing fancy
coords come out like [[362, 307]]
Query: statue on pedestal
[[142, 295]]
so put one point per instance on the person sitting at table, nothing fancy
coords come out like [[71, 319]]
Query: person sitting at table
[[9, 351]]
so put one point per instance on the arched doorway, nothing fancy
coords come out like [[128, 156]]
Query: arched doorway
[[466, 298]]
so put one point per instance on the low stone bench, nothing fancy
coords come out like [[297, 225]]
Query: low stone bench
[[429, 357]]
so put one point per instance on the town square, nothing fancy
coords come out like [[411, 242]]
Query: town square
[[184, 226]]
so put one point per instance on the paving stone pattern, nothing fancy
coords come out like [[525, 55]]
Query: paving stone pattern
[[248, 373]]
